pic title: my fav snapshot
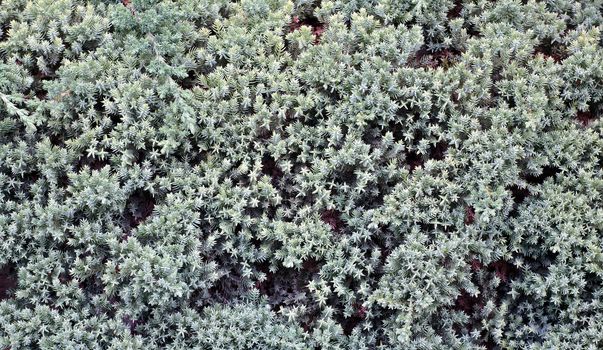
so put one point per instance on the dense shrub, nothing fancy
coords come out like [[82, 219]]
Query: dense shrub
[[268, 174]]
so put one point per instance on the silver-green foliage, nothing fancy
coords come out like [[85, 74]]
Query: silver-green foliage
[[273, 174]]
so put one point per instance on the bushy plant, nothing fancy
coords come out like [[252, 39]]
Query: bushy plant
[[279, 174]]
